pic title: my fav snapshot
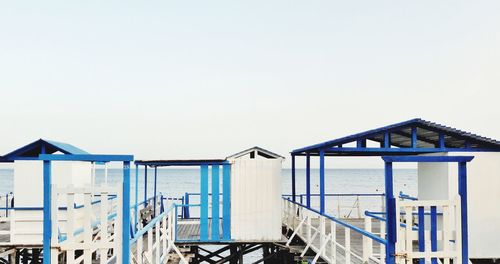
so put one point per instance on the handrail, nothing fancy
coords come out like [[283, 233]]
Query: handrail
[[407, 196], [355, 228], [150, 225], [375, 216], [337, 194], [64, 208]]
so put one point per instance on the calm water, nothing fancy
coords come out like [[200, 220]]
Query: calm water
[[175, 182]]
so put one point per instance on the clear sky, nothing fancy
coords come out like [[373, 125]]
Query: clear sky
[[194, 79]]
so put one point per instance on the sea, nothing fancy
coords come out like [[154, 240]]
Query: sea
[[175, 182]]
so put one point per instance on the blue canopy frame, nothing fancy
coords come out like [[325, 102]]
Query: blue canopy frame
[[204, 165], [394, 142], [390, 202], [47, 194]]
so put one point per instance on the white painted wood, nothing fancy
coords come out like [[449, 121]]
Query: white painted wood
[[347, 246], [254, 217]]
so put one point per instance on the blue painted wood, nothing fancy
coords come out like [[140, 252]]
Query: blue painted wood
[[361, 143], [390, 204], [387, 140], [47, 222], [204, 203], [462, 190], [491, 145], [86, 157], [136, 205], [414, 137], [215, 203], [154, 191], [226, 202], [427, 158], [126, 214], [308, 181], [322, 181], [421, 232], [434, 232], [186, 208], [442, 142], [145, 184], [293, 178]]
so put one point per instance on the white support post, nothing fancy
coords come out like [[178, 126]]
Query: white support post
[[308, 227], [104, 227], [409, 232], [55, 212], [367, 242], [322, 237], [157, 242], [149, 252], [70, 227], [333, 241], [347, 245], [139, 250], [87, 225], [164, 236]]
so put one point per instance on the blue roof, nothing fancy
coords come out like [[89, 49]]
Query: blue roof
[[428, 135], [42, 146]]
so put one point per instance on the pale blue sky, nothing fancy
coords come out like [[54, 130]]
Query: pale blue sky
[[184, 79]]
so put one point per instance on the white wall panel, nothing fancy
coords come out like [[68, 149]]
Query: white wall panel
[[256, 200]]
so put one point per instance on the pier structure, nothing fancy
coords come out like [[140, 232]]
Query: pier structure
[[63, 216], [437, 226]]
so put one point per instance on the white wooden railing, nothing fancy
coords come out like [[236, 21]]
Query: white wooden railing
[[91, 228], [158, 237], [447, 237], [325, 241]]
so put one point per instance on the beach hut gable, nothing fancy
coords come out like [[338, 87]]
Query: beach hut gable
[[42, 146], [254, 152]]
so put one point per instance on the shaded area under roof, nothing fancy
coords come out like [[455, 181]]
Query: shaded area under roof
[[187, 162], [415, 136], [42, 146]]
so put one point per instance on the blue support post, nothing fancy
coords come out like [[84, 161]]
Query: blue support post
[[186, 201], [421, 232], [136, 206], [145, 184], [414, 137], [434, 232], [154, 192], [204, 203], [215, 203], [308, 181], [226, 202], [322, 181], [442, 143], [387, 140], [390, 205], [462, 190], [126, 214], [293, 177], [47, 223]]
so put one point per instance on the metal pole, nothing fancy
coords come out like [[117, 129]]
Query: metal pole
[[47, 223], [322, 181], [293, 177], [308, 180], [390, 248], [126, 214], [462, 190], [154, 194]]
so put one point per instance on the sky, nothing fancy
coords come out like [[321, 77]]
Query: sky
[[205, 79]]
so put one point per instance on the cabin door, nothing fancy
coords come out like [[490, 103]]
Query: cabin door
[[428, 230]]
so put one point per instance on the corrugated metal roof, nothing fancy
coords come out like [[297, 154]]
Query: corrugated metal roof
[[427, 137], [35, 148]]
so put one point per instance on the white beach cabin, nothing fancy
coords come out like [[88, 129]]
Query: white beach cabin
[[26, 217], [256, 195]]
